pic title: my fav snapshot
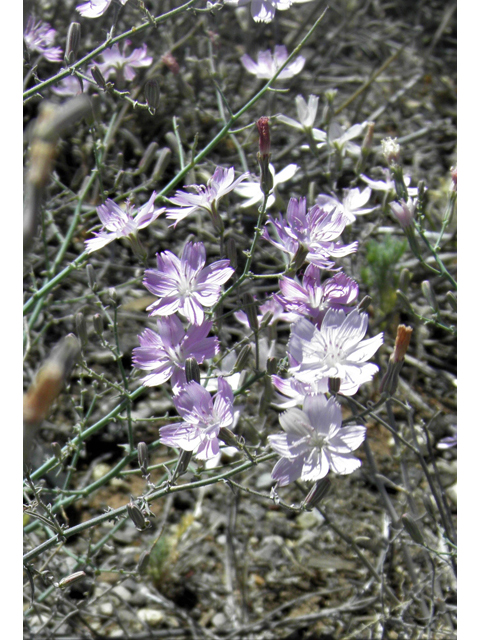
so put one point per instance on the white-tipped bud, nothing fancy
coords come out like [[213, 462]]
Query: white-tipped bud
[[142, 451], [73, 40]]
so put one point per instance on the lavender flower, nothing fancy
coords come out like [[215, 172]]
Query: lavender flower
[[272, 308], [39, 36], [296, 391], [253, 190], [69, 86], [203, 419], [315, 442], [267, 64], [336, 350], [163, 352], [264, 10], [95, 8], [184, 285], [352, 205], [206, 197], [312, 298], [404, 212], [120, 223], [116, 61], [313, 231]]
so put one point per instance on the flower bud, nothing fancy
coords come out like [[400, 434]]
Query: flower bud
[[272, 364], [430, 296], [389, 382], [69, 580], [98, 324], [404, 212], [142, 451], [147, 158], [192, 370], [152, 95], [391, 150], [136, 516], [334, 385], [143, 562], [231, 252], [73, 40], [113, 295], [91, 277], [161, 164], [298, 259], [264, 137], [266, 319], [368, 139], [242, 359], [97, 75], [170, 62], [364, 303], [57, 451], [317, 493], [250, 309], [404, 280], [412, 528], [452, 300], [81, 328], [228, 437], [182, 464], [453, 173], [263, 156]]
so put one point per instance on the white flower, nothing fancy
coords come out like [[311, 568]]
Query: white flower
[[315, 442], [268, 64], [388, 185], [254, 193], [264, 10], [352, 205], [336, 350], [306, 114]]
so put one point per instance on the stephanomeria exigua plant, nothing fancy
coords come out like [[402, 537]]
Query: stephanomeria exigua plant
[[226, 369]]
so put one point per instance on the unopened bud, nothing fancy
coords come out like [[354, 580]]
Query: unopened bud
[[364, 303], [266, 319], [272, 364], [142, 451], [97, 75], [182, 464], [143, 562], [73, 40], [391, 150], [152, 95], [298, 259], [69, 580], [411, 527], [228, 437], [317, 493], [250, 309], [402, 298], [192, 370], [404, 212], [92, 278], [453, 173], [81, 328], [334, 385], [57, 451], [368, 139], [161, 163], [98, 324], [404, 280], [430, 296], [113, 295], [231, 252], [452, 300], [170, 62], [136, 516], [389, 382], [264, 136], [147, 158], [242, 359]]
